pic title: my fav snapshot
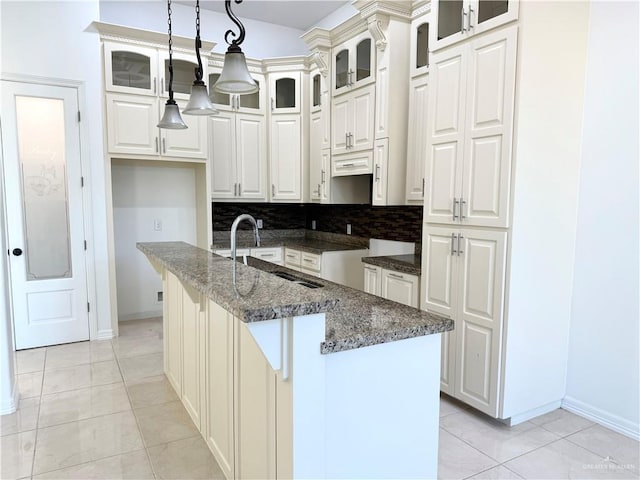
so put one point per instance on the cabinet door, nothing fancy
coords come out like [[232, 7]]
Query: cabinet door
[[284, 89], [447, 363], [184, 66], [222, 135], [173, 355], [419, 56], [400, 287], [372, 279], [486, 176], [417, 140], [132, 125], [191, 353], [130, 69], [362, 61], [439, 261], [325, 183], [341, 118], [479, 320], [315, 156], [380, 167], [487, 14], [253, 103], [223, 101], [286, 159], [362, 124], [188, 143], [445, 135], [450, 22], [219, 386], [251, 156], [255, 408], [341, 76]]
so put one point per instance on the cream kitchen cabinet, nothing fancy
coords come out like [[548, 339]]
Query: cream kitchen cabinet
[[238, 156], [304, 262], [285, 160], [284, 91], [319, 140], [470, 130], [419, 55], [253, 103], [352, 120], [464, 279], [393, 285], [353, 63], [417, 140], [460, 20], [269, 254]]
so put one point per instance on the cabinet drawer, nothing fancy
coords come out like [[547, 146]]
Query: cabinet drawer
[[354, 164], [226, 252], [313, 273], [310, 261], [273, 255], [291, 257]]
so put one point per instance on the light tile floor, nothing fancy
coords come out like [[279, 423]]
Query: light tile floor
[[104, 410]]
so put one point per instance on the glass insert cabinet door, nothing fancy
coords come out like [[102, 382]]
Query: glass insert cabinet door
[[285, 92], [249, 103], [131, 69], [353, 63]]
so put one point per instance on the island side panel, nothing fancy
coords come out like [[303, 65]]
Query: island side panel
[[382, 410]]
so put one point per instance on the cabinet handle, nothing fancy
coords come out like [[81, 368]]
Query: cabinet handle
[[273, 190], [463, 14], [377, 172], [462, 204], [460, 251], [350, 140], [235, 189], [348, 164], [455, 204], [157, 151], [453, 248], [161, 85], [322, 176], [350, 77], [318, 189], [155, 90], [291, 256], [346, 140], [266, 254], [164, 145], [470, 25], [308, 260], [395, 275], [239, 189], [272, 105], [423, 185]]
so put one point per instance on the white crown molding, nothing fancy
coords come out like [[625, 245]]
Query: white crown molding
[[420, 8], [348, 29], [397, 9], [148, 38], [317, 38]]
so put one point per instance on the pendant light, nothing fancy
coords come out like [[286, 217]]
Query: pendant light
[[171, 118], [235, 77], [199, 102]]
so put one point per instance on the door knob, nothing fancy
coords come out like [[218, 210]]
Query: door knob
[[17, 252]]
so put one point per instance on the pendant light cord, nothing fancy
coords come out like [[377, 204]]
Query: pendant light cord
[[170, 54], [237, 41], [198, 70]]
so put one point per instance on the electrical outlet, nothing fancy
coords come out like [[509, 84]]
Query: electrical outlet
[[313, 224], [157, 225], [159, 297], [259, 222], [348, 229]]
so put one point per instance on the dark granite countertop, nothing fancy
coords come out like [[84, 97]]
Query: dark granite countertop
[[302, 244], [354, 319], [410, 263]]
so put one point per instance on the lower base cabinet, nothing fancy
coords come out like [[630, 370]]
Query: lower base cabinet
[[399, 287]]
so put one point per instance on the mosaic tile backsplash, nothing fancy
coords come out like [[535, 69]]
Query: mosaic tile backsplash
[[401, 223]]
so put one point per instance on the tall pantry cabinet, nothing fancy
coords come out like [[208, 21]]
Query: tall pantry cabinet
[[500, 198]]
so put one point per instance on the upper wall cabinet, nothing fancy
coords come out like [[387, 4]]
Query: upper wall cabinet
[[284, 91], [419, 61], [252, 103], [457, 20], [353, 63]]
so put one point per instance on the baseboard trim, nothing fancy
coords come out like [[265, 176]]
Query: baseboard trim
[[10, 405], [140, 315], [536, 412], [614, 422], [106, 334]]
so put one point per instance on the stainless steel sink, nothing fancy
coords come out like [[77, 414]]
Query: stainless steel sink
[[298, 280]]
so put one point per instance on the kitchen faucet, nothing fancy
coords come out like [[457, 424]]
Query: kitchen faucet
[[234, 228]]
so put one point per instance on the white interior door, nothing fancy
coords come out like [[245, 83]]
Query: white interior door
[[45, 231]]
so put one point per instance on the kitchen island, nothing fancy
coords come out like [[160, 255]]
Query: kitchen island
[[288, 381]]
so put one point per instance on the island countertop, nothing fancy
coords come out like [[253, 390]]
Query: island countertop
[[354, 319]]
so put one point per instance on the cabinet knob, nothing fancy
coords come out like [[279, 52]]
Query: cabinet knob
[[17, 252]]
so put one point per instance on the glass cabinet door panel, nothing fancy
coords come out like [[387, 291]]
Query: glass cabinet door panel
[[217, 97], [251, 100], [183, 76], [316, 90], [422, 46], [129, 69], [285, 93], [488, 9], [342, 68], [449, 18], [363, 59]]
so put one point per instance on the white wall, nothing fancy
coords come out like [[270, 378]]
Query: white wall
[[337, 17], [263, 40], [47, 39], [140, 196], [603, 376]]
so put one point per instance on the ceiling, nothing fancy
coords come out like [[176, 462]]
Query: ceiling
[[300, 14]]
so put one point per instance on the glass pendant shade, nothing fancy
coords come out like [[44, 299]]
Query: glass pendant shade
[[235, 77], [199, 102], [171, 118]]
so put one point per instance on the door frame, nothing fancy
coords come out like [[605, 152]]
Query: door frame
[[87, 203]]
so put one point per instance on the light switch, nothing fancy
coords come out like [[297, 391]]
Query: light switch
[[348, 229], [157, 225], [259, 222]]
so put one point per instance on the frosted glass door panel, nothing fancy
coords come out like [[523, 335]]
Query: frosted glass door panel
[[363, 60], [183, 75], [41, 150], [131, 69]]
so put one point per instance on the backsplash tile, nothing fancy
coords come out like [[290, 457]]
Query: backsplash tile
[[400, 223]]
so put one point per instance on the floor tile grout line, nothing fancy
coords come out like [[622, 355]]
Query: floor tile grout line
[[591, 451], [35, 439]]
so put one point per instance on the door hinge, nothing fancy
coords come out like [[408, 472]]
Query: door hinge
[[79, 116], [85, 244], [88, 307], [82, 181]]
